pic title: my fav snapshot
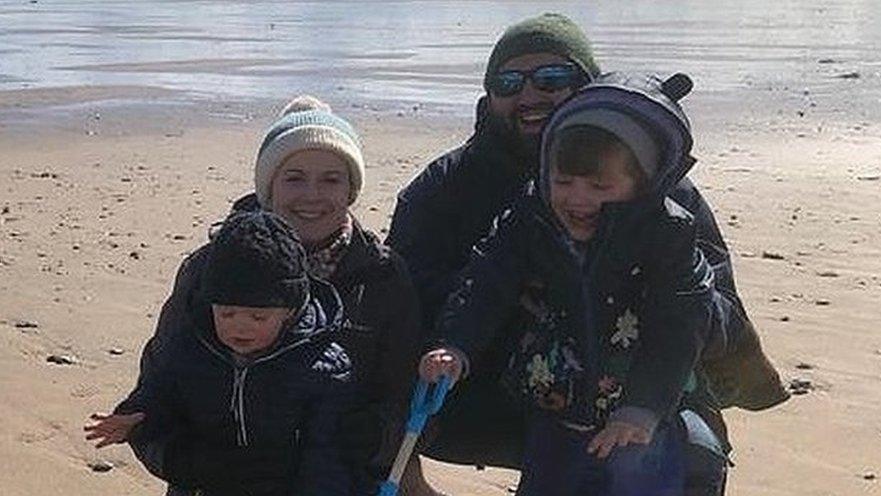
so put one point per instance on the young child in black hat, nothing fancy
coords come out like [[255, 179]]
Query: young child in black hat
[[246, 400]]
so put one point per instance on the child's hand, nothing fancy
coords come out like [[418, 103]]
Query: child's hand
[[111, 429], [617, 434], [441, 361]]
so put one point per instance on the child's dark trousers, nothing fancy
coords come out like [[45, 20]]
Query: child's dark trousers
[[556, 463]]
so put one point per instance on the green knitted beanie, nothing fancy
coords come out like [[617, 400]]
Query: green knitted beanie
[[551, 33]]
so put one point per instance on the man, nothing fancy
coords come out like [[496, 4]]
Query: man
[[444, 211]]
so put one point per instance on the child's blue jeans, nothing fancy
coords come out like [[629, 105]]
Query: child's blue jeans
[[556, 463]]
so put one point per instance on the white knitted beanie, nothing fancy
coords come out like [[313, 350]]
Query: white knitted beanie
[[307, 123]]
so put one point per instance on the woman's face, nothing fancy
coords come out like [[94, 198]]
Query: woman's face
[[311, 191]]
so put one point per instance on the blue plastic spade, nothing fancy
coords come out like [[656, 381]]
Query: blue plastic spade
[[422, 406]]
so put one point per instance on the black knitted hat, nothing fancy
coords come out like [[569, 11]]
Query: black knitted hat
[[256, 260]]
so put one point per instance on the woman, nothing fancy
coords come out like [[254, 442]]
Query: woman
[[310, 170]]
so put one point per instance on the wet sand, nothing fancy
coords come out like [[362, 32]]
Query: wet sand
[[111, 176]]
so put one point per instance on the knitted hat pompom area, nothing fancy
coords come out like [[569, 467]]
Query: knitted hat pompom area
[[304, 103], [307, 123]]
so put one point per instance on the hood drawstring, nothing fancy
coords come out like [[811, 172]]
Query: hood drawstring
[[237, 405]]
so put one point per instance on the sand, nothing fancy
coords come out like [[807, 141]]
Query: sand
[[97, 210]]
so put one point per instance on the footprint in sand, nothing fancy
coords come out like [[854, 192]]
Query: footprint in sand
[[35, 437], [85, 391]]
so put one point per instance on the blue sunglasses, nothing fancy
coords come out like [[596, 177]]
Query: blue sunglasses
[[550, 78]]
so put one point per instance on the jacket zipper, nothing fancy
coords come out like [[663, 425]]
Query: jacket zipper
[[240, 374], [237, 405]]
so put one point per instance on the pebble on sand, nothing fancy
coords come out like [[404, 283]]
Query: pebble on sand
[[771, 255], [61, 359], [800, 386], [26, 324], [44, 175], [116, 351], [101, 466]]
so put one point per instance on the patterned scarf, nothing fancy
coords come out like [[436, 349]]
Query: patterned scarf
[[325, 257]]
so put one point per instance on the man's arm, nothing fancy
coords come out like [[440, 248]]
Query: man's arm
[[489, 287], [740, 374], [422, 233]]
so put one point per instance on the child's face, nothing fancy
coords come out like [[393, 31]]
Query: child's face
[[311, 191], [248, 330], [577, 200]]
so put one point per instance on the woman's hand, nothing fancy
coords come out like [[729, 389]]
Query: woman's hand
[[441, 361], [617, 434], [111, 429]]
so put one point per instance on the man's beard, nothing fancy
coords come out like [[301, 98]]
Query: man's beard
[[524, 146]]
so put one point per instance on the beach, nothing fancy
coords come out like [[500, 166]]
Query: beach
[[114, 163]]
